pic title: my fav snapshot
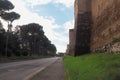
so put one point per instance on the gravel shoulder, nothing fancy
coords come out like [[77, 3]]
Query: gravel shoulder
[[52, 72]]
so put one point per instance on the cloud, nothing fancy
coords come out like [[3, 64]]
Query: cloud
[[61, 40], [48, 22], [38, 2], [66, 3], [68, 25], [4, 23]]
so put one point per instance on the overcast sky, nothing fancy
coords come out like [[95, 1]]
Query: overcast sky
[[56, 17]]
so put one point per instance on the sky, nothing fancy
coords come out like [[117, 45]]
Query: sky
[[56, 17]]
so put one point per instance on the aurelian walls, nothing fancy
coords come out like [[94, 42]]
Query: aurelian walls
[[82, 26], [97, 23], [71, 41], [106, 22]]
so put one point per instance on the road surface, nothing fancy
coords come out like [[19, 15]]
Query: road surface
[[52, 72], [24, 70]]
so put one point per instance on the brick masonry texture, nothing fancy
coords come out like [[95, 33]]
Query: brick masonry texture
[[97, 22]]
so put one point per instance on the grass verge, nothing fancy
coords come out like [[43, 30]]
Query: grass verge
[[93, 67]]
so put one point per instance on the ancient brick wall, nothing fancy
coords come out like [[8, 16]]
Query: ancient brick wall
[[97, 22], [71, 41], [82, 26], [106, 22]]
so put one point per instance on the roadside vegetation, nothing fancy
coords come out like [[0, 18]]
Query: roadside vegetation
[[4, 59], [105, 66], [24, 41]]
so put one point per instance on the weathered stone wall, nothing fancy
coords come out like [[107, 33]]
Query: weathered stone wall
[[71, 39], [106, 22], [82, 26], [97, 22], [71, 42]]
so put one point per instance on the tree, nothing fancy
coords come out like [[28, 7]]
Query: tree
[[31, 35], [2, 40], [5, 5], [10, 17], [13, 45], [34, 39], [51, 50]]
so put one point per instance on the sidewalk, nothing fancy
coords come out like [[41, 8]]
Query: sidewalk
[[53, 72]]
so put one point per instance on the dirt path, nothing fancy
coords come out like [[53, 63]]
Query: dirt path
[[53, 72]]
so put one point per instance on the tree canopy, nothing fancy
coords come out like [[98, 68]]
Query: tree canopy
[[26, 40], [33, 37], [10, 16], [5, 5]]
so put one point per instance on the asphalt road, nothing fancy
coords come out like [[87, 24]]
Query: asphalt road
[[52, 72], [24, 70]]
